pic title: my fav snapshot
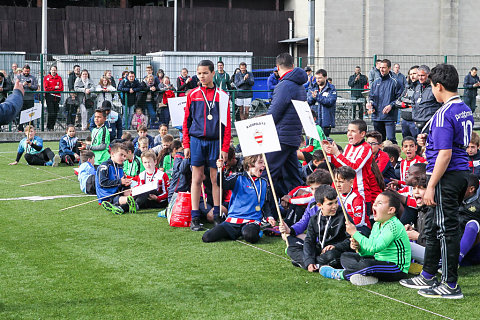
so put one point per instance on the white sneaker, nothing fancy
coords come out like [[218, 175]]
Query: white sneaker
[[361, 280], [56, 160]]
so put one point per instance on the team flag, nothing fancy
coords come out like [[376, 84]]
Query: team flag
[[257, 135]]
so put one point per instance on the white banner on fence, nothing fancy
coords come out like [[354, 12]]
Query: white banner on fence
[[257, 135], [305, 114], [31, 114], [176, 106]]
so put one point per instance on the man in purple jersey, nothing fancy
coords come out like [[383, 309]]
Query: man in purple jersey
[[447, 169]]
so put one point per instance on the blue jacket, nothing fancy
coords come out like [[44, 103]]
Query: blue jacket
[[108, 180], [287, 122], [324, 104], [125, 86], [113, 124], [272, 82], [424, 103], [11, 107], [85, 170], [468, 82], [401, 79], [67, 146], [181, 175], [244, 198], [151, 142], [242, 84], [302, 224], [385, 91]]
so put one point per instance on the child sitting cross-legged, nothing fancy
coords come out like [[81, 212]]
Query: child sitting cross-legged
[[110, 181], [86, 172], [156, 198], [250, 196], [326, 238], [385, 255], [68, 147]]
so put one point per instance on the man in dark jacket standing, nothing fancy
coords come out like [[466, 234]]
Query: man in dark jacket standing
[[322, 97], [383, 94], [72, 77], [358, 81], [284, 165], [424, 102], [471, 83], [244, 81]]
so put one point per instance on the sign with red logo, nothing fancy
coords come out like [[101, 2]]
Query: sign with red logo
[[257, 135]]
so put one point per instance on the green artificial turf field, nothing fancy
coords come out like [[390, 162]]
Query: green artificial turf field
[[84, 263]]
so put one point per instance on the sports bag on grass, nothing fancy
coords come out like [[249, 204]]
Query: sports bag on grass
[[181, 214]]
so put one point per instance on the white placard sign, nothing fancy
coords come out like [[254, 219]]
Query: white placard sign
[[31, 114], [224, 107], [176, 106], [144, 188], [257, 135], [305, 114]]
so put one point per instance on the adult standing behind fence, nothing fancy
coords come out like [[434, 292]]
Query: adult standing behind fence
[[30, 85], [85, 87], [73, 76], [148, 97], [358, 81], [284, 165], [108, 74], [11, 107], [129, 87], [54, 84], [13, 73], [322, 97], [424, 102], [5, 87], [221, 78], [383, 94], [471, 83], [374, 74], [105, 91], [244, 81], [184, 82]]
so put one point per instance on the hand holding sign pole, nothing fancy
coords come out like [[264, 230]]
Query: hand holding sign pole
[[305, 114], [259, 136]]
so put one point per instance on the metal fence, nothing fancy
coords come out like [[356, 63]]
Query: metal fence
[[338, 68]]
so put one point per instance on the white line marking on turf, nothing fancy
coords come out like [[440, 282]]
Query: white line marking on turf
[[41, 198], [31, 184], [379, 294]]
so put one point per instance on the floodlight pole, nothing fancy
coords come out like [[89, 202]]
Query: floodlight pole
[[175, 22]]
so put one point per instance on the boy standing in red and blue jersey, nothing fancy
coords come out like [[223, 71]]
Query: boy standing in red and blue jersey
[[201, 127], [450, 130]]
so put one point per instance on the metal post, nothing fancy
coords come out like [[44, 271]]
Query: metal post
[[42, 96], [135, 66], [311, 31], [374, 59], [43, 56], [445, 59], [175, 13], [300, 62], [232, 118]]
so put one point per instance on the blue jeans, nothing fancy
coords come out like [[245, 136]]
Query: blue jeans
[[409, 128], [471, 102], [128, 115], [163, 115], [152, 115], [387, 129]]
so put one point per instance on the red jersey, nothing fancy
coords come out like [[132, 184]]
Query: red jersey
[[405, 165], [408, 192], [359, 158], [160, 177], [355, 206], [382, 159], [302, 200], [50, 82]]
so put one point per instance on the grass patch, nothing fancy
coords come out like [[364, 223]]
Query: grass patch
[[86, 264]]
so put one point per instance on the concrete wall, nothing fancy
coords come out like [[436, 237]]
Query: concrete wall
[[358, 28]]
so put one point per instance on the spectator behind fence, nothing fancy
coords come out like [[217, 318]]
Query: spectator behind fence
[[85, 86], [383, 94], [160, 75], [13, 73], [358, 81], [30, 85], [108, 74], [5, 86], [104, 91], [129, 87], [424, 103], [244, 81], [374, 73], [71, 106], [54, 84], [167, 90], [149, 71], [406, 101], [11, 107], [148, 97], [72, 77], [221, 78], [311, 77], [322, 97], [471, 83], [184, 82], [399, 76], [272, 82]]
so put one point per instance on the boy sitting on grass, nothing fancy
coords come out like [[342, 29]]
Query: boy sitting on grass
[[110, 181], [156, 198], [86, 172], [326, 238], [385, 255], [250, 196], [35, 154]]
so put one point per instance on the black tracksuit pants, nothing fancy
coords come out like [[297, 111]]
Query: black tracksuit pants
[[442, 228], [39, 159]]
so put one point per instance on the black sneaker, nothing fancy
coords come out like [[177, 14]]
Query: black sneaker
[[217, 220], [69, 161], [419, 282], [196, 225], [442, 290]]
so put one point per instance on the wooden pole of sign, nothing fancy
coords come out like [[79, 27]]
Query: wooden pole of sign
[[81, 204], [273, 189], [335, 185]]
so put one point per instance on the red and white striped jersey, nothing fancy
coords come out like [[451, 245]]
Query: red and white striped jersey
[[407, 191], [162, 181], [405, 165], [359, 158], [355, 206], [302, 200]]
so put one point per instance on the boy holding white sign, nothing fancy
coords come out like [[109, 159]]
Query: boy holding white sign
[[201, 127]]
